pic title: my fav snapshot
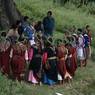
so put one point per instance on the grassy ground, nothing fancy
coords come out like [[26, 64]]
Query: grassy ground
[[82, 84]]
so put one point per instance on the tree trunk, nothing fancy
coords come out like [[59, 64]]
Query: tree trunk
[[8, 13]]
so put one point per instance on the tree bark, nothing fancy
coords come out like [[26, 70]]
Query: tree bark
[[8, 13]]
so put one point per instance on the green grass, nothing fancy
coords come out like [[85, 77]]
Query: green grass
[[82, 84]]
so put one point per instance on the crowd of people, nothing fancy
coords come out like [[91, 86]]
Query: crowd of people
[[27, 52]]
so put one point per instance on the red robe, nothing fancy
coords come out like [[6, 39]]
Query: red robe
[[71, 62], [18, 63], [4, 61], [61, 52]]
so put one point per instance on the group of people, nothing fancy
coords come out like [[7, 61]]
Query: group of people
[[27, 52]]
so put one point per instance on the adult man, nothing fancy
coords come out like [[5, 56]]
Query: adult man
[[49, 24]]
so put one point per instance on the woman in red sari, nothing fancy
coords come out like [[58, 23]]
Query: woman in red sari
[[62, 55], [71, 62], [18, 60], [4, 55]]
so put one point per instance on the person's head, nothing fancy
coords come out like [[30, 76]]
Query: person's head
[[49, 13], [88, 27], [79, 31], [14, 26], [18, 23], [39, 22], [3, 34], [25, 18], [68, 45], [33, 23]]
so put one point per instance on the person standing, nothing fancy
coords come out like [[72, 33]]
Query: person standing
[[18, 59], [71, 64], [88, 31], [12, 34], [48, 24], [80, 48], [62, 53], [35, 65], [28, 30], [86, 47], [49, 64], [5, 48]]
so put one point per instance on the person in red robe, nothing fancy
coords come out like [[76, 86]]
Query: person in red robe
[[61, 54], [71, 61], [61, 59], [4, 55], [18, 60]]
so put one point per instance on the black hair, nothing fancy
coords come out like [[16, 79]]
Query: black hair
[[39, 22], [18, 22], [3, 34], [25, 18], [14, 26], [80, 30], [49, 12], [68, 44], [87, 26]]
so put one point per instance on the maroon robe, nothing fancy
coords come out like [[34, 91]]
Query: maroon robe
[[61, 52], [4, 61], [71, 62], [18, 63]]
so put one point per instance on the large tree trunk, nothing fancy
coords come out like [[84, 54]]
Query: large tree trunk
[[8, 13]]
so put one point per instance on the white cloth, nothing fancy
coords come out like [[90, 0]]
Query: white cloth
[[80, 53], [59, 77], [80, 48], [11, 53], [32, 42], [59, 94], [81, 41]]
